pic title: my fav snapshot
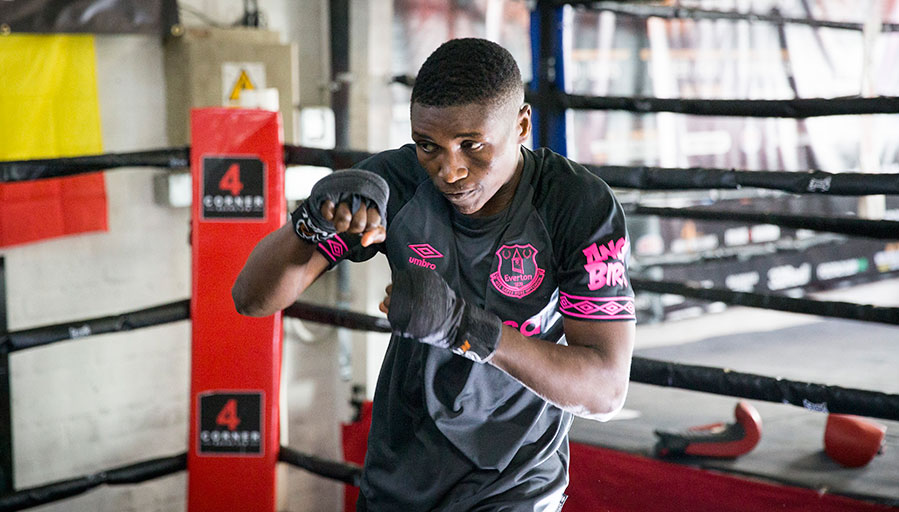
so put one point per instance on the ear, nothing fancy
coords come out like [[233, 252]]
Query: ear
[[523, 123]]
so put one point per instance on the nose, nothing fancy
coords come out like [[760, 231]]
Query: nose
[[452, 168]]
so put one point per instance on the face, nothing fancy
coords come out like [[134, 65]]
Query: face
[[472, 152]]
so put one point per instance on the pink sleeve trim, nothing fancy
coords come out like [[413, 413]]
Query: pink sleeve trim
[[597, 308]]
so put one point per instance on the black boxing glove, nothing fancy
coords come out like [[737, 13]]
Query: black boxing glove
[[424, 307], [352, 186]]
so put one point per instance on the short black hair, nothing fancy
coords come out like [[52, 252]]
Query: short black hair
[[466, 71]]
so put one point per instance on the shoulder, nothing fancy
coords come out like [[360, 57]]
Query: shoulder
[[400, 169], [586, 225], [563, 186]]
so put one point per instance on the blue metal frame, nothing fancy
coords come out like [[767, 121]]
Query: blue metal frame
[[548, 63]]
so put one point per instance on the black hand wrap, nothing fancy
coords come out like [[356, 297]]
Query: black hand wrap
[[424, 307], [352, 186]]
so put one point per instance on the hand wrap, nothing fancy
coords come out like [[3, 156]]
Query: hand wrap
[[352, 186], [424, 307]]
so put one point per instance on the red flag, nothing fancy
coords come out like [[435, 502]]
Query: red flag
[[36, 210]]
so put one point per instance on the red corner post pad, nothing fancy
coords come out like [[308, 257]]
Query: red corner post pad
[[237, 162]]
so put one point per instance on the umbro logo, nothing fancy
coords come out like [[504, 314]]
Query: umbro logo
[[425, 252]]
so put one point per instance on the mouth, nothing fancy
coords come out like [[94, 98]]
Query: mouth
[[456, 197]]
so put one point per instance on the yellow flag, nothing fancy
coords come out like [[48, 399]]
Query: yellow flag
[[48, 97]]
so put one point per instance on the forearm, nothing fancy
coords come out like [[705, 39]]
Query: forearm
[[580, 379], [280, 267]]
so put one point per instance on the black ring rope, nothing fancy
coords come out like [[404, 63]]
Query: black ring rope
[[699, 178], [830, 309], [333, 158], [638, 177], [180, 310], [27, 170], [715, 380], [37, 336], [670, 12], [147, 470], [723, 381], [123, 475], [798, 108], [755, 251], [337, 317], [877, 229], [345, 472]]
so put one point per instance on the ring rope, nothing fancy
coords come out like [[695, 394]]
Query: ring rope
[[123, 475], [347, 473], [44, 335], [723, 381], [745, 253], [708, 379], [333, 158], [337, 317], [830, 309], [28, 170], [798, 108], [180, 310], [833, 309], [139, 472], [701, 178], [670, 12], [638, 177], [878, 229]]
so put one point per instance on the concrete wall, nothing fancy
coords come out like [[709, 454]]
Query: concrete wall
[[101, 401]]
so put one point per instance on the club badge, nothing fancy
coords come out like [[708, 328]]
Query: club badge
[[517, 273]]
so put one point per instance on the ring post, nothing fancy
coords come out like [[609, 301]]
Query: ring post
[[237, 165]]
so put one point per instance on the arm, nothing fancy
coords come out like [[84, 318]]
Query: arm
[[588, 378], [282, 265], [278, 270]]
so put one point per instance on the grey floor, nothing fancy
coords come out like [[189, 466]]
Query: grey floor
[[797, 347]]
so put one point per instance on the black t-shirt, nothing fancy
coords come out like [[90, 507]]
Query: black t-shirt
[[450, 434]]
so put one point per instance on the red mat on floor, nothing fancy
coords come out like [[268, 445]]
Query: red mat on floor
[[604, 480], [608, 480]]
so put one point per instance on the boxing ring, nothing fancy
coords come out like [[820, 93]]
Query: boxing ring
[[787, 468]]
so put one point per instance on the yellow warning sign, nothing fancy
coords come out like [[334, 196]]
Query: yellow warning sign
[[238, 77], [243, 83]]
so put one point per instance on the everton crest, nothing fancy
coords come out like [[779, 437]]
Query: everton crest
[[517, 273]]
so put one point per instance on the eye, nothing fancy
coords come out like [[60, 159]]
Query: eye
[[472, 145], [426, 147]]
